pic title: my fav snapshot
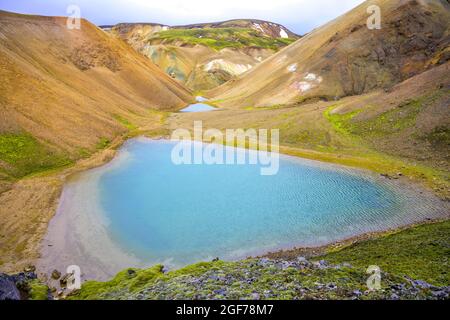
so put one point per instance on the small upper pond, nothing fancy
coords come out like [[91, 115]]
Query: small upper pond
[[199, 107], [142, 209]]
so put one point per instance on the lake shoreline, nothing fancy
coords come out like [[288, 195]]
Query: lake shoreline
[[284, 251], [31, 253], [310, 252]]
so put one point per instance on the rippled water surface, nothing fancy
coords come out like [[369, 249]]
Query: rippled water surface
[[159, 212]]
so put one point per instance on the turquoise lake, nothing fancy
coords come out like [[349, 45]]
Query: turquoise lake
[[198, 107], [154, 211]]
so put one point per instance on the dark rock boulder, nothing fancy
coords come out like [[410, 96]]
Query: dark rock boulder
[[15, 287], [8, 289]]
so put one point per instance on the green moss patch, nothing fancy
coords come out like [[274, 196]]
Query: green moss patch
[[220, 38], [419, 253], [103, 143], [128, 280], [340, 122], [37, 290], [390, 122], [24, 155], [125, 122]]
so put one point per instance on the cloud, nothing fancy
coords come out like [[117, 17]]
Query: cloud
[[208, 7], [299, 15]]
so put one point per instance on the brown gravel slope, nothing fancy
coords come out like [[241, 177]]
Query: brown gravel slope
[[68, 88], [64, 94], [345, 58]]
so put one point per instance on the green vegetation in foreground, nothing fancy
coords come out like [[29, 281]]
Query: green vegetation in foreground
[[419, 253], [220, 38], [37, 290], [24, 155]]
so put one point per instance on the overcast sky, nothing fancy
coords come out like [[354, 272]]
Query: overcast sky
[[300, 16]]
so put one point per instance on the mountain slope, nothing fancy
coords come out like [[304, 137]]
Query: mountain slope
[[345, 58], [204, 56], [266, 28], [65, 93]]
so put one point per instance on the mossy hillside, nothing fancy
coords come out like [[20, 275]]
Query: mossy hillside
[[133, 280], [103, 143], [420, 253], [22, 155], [25, 155], [125, 122], [439, 137], [130, 280], [393, 121], [220, 38], [368, 133], [240, 280], [37, 290], [340, 122]]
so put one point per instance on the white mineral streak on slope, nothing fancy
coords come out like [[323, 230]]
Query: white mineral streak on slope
[[232, 68], [283, 34], [304, 86], [313, 77], [292, 67], [309, 81], [258, 27]]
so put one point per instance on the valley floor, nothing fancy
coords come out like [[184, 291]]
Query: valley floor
[[337, 131]]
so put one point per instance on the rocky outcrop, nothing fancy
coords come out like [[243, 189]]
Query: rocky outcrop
[[87, 56], [262, 278], [8, 289], [15, 287]]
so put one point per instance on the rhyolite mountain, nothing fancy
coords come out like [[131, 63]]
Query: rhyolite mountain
[[65, 93], [205, 55], [372, 99], [344, 58]]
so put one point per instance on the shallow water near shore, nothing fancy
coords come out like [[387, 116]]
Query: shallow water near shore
[[141, 209]]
